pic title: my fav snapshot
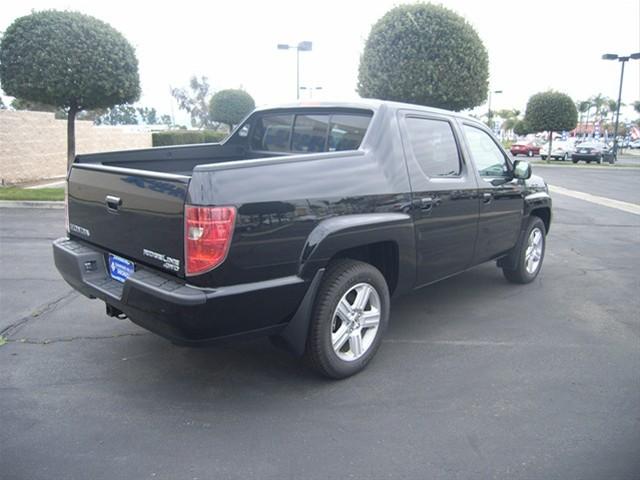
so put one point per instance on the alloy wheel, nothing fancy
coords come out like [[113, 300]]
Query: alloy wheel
[[355, 322], [533, 253]]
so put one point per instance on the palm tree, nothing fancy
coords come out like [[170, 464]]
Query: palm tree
[[583, 107], [599, 101], [510, 117]]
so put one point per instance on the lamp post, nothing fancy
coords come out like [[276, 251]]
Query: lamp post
[[622, 60], [300, 47], [490, 115], [311, 89]]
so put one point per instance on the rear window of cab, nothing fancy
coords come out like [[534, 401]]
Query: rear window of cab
[[309, 132]]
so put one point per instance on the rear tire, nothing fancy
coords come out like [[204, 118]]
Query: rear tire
[[530, 253], [544, 157], [574, 160], [350, 316]]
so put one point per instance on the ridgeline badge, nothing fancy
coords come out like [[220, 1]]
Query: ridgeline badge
[[167, 262]]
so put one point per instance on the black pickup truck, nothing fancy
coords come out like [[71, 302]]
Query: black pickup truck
[[300, 226]]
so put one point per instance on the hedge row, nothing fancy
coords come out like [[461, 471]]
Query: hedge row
[[183, 137]]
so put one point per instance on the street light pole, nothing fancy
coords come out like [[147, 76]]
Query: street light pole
[[490, 114], [615, 128], [622, 60], [300, 47], [297, 74]]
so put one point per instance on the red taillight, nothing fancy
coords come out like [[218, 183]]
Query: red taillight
[[66, 208], [207, 235]]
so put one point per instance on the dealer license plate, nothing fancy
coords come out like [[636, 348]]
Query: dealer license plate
[[120, 268]]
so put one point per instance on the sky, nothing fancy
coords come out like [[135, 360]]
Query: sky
[[533, 45]]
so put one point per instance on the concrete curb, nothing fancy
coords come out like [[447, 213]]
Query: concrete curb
[[30, 204], [619, 168]]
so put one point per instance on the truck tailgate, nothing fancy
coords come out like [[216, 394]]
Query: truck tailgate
[[135, 214]]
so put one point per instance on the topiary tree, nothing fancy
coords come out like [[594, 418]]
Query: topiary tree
[[424, 54], [521, 128], [230, 106], [68, 60], [552, 112]]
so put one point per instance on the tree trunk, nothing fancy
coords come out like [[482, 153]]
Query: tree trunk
[[580, 125], [550, 146], [71, 135], [587, 125]]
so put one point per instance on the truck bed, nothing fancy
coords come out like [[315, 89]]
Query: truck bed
[[178, 160]]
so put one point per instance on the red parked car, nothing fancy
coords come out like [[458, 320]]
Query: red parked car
[[523, 148]]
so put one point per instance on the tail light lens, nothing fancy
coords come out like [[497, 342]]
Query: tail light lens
[[66, 208], [208, 232]]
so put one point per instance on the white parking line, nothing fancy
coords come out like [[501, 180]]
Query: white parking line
[[604, 201]]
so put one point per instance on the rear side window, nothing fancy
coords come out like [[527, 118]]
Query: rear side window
[[433, 146], [272, 133], [309, 133], [347, 131]]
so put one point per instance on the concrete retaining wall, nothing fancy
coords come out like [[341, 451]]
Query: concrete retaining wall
[[33, 145]]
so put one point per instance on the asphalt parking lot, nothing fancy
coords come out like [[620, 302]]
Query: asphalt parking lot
[[477, 378]]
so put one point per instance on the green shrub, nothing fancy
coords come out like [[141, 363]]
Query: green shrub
[[211, 136], [186, 137]]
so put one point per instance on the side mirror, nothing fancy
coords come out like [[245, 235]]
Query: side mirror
[[521, 170]]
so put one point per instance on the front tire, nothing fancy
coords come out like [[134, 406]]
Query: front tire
[[530, 253], [350, 316]]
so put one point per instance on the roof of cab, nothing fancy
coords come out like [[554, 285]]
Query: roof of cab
[[363, 103]]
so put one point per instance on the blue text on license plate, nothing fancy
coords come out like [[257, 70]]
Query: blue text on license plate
[[120, 268]]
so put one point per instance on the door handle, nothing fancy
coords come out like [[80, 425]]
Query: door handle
[[487, 197], [427, 203], [112, 203]]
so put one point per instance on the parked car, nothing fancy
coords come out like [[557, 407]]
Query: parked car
[[200, 243], [592, 152], [634, 144], [525, 148], [562, 150]]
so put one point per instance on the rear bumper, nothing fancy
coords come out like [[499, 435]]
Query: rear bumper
[[586, 156], [523, 152], [556, 154], [182, 313], [607, 156]]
